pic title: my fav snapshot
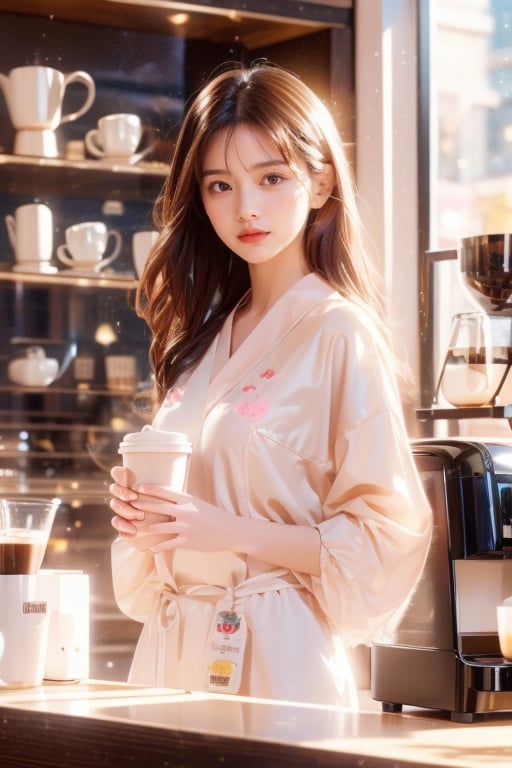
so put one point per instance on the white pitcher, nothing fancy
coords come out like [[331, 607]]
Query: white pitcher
[[30, 232], [34, 97]]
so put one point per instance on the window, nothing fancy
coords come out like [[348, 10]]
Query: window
[[465, 147]]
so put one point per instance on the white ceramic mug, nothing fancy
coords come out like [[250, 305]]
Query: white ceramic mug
[[142, 242], [24, 625], [30, 232], [116, 136], [121, 372], [86, 244]]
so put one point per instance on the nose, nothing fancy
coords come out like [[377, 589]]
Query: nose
[[247, 215], [247, 208]]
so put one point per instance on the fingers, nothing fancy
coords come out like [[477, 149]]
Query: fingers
[[163, 492], [167, 528], [123, 493], [123, 476], [123, 526], [125, 510]]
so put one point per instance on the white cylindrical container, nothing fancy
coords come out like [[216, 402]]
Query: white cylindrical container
[[67, 594], [24, 622]]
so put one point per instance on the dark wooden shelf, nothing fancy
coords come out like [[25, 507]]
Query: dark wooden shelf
[[84, 178], [108, 279], [253, 24]]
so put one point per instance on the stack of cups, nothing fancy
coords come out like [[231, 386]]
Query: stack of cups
[[25, 526]]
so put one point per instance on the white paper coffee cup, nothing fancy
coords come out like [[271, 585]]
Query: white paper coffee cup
[[157, 457]]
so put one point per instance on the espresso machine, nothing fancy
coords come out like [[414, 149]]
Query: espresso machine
[[444, 651]]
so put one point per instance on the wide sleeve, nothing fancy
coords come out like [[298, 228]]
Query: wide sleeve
[[376, 524], [135, 579]]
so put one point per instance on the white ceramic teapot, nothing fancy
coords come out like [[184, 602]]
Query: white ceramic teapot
[[34, 97]]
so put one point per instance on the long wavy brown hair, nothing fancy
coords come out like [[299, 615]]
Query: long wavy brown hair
[[192, 280]]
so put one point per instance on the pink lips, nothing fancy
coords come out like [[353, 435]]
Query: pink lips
[[252, 235]]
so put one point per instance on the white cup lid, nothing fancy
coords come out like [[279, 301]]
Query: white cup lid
[[155, 440]]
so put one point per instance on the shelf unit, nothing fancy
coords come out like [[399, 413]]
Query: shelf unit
[[20, 175], [61, 440]]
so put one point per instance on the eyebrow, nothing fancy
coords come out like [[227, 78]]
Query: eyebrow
[[271, 163]]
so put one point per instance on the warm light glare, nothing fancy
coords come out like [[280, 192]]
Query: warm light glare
[[58, 546], [105, 334], [117, 423], [179, 19]]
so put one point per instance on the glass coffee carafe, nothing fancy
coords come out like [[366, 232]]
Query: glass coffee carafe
[[477, 366]]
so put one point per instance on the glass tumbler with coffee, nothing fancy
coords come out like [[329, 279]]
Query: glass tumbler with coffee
[[25, 525], [475, 367]]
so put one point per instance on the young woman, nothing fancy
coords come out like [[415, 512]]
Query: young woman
[[304, 526]]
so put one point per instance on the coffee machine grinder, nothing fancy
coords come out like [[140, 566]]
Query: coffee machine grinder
[[444, 653], [477, 369]]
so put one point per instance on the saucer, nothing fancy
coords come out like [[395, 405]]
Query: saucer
[[83, 270], [122, 159], [37, 267]]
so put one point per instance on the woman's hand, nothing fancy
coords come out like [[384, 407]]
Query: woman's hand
[[178, 520], [130, 521], [162, 520]]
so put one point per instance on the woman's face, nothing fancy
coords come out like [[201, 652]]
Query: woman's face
[[256, 203]]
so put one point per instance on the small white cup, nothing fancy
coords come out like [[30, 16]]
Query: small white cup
[[24, 626], [142, 243], [504, 615], [117, 136], [30, 232], [155, 456], [121, 372], [86, 244]]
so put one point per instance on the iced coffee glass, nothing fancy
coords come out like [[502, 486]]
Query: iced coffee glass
[[25, 525]]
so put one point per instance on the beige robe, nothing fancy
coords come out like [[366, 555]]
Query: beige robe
[[302, 425]]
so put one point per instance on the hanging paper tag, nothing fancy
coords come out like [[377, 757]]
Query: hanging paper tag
[[226, 652]]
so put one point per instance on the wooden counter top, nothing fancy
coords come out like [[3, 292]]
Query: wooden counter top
[[109, 725]]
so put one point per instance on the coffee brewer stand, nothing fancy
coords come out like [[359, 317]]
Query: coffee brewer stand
[[444, 651]]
